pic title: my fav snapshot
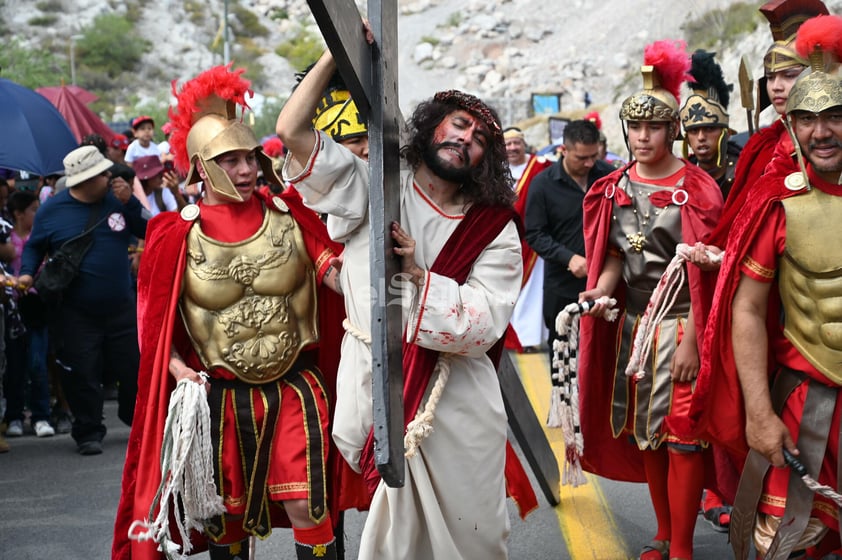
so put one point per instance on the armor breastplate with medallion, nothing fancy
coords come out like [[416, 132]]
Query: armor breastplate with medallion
[[250, 307], [810, 280]]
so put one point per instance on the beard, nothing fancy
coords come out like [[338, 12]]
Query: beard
[[444, 170]]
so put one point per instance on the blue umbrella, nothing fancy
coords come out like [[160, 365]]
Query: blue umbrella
[[34, 137]]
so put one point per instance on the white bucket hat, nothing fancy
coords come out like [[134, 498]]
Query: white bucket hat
[[84, 163]]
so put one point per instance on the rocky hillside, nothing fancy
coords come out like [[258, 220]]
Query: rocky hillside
[[502, 50]]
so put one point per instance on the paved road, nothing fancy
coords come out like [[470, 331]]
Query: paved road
[[55, 504]]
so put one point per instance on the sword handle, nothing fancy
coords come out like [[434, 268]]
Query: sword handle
[[794, 463]]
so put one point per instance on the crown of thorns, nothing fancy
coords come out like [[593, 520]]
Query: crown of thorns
[[474, 106]]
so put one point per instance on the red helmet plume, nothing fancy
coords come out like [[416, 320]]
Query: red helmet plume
[[218, 90]]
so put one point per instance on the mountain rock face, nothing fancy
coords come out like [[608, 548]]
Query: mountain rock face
[[502, 50]]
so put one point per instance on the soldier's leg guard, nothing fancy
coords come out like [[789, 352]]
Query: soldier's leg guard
[[325, 551]]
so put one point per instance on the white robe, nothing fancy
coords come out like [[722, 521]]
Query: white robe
[[452, 505]]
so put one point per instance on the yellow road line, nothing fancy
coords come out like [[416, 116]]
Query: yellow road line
[[584, 516]]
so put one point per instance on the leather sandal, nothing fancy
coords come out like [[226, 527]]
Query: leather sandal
[[661, 548], [714, 518]]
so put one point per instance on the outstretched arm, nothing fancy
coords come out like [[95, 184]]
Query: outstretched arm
[[295, 122]]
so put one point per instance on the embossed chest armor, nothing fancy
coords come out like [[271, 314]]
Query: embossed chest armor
[[250, 307], [811, 280]]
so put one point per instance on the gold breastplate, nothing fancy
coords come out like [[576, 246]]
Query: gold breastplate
[[250, 307], [811, 280]]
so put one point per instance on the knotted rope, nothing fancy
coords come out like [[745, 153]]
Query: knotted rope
[[660, 302], [356, 332], [422, 425], [187, 482], [564, 404]]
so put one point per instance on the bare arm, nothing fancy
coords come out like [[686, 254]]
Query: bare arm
[[295, 122], [765, 432]]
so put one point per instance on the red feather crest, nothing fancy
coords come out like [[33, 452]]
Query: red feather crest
[[821, 32], [594, 118], [193, 101], [671, 63]]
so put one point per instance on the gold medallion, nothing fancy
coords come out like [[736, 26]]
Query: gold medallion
[[636, 240]]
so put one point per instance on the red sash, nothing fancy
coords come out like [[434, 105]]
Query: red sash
[[480, 226]]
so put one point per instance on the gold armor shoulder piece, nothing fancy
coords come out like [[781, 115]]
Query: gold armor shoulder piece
[[795, 181], [190, 212], [280, 204]]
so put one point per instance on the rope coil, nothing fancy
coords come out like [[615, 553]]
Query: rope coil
[[564, 404], [660, 302], [422, 425], [187, 483]]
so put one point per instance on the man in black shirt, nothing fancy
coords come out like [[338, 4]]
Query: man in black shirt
[[554, 218]]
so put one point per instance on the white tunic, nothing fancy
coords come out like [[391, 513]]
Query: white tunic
[[453, 503]]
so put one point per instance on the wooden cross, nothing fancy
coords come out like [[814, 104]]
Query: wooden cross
[[371, 74]]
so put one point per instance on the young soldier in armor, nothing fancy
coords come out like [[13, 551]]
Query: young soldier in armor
[[229, 287], [634, 219], [704, 118]]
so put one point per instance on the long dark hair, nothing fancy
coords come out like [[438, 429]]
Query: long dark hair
[[19, 201], [490, 182]]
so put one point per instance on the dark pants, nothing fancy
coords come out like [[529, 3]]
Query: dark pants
[[26, 373], [86, 347]]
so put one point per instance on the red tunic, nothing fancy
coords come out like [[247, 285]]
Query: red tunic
[[759, 234]]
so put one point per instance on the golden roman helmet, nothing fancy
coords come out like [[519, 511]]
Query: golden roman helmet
[[665, 66], [708, 104], [784, 17], [205, 126], [652, 103], [820, 87], [338, 116]]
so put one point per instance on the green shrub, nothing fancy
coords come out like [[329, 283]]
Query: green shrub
[[111, 45], [29, 67], [195, 11], [722, 27], [302, 50], [46, 20], [50, 5], [249, 24]]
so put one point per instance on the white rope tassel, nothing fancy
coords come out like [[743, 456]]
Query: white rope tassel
[[564, 406], [422, 425], [660, 303], [186, 473]]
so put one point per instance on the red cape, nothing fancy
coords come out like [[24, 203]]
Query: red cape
[[717, 387], [617, 458], [160, 274], [535, 165], [758, 152]]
